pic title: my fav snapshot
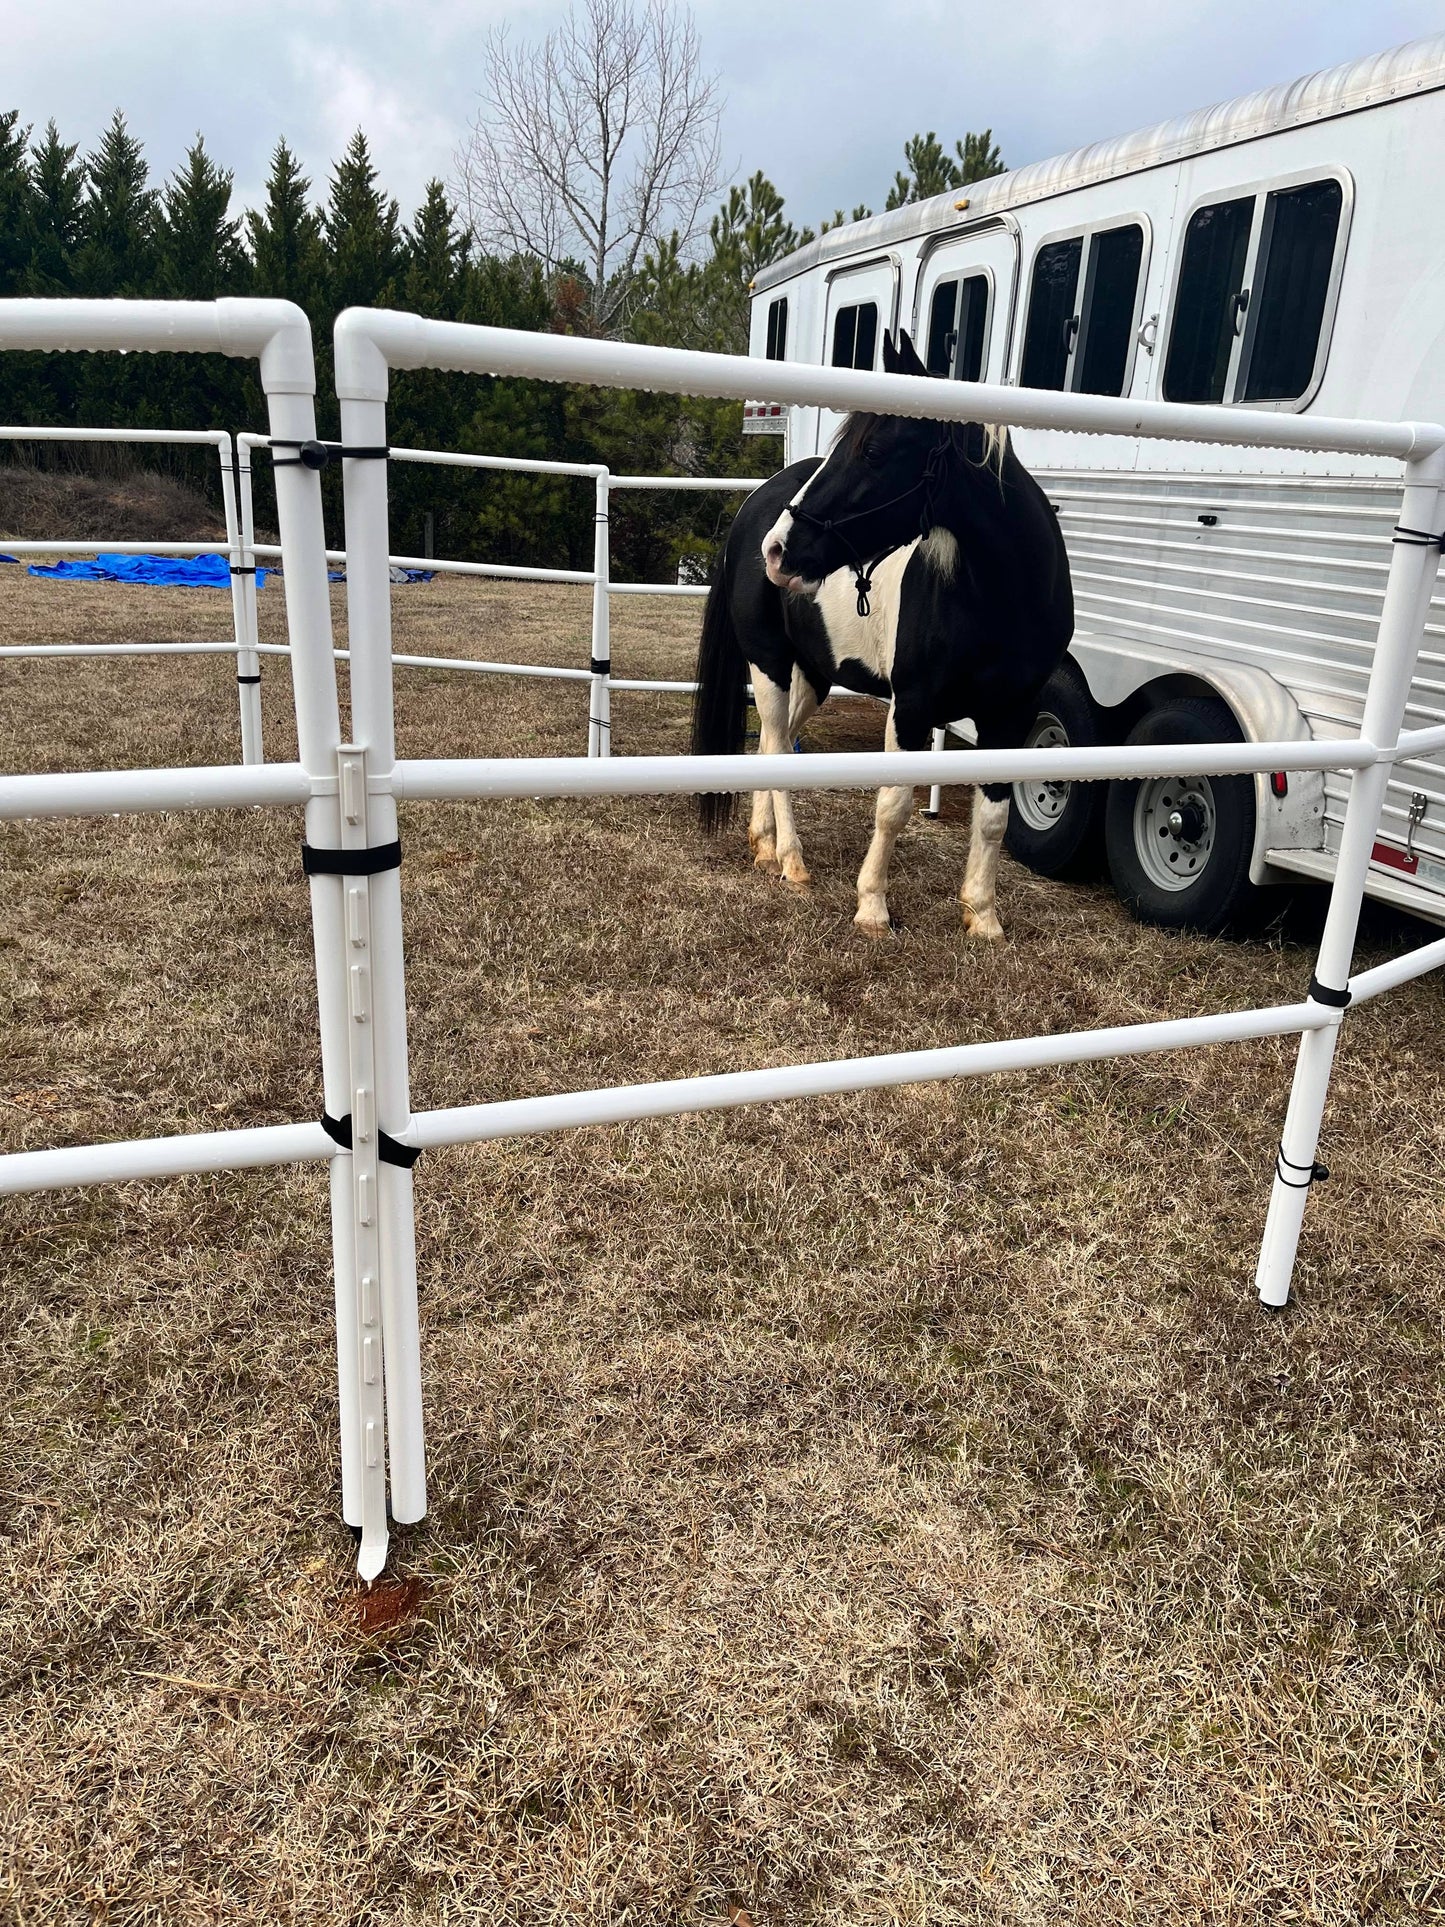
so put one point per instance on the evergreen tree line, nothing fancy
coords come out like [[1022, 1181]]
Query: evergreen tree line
[[97, 225]]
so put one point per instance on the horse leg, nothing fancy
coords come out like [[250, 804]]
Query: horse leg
[[762, 830], [1005, 730], [890, 815], [775, 709], [762, 834], [985, 840]]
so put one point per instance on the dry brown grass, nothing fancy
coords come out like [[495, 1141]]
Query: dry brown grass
[[893, 1509]]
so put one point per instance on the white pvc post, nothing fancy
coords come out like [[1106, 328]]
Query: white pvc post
[[599, 714], [367, 1222], [1411, 581], [368, 602], [248, 663], [248, 561], [292, 417], [935, 795]]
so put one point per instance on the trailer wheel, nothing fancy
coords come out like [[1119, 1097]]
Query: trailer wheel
[[1055, 829], [1179, 846]]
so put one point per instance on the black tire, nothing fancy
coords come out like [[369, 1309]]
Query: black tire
[[1056, 829], [1192, 875]]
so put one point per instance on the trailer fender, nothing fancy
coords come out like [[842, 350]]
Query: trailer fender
[[1120, 673]]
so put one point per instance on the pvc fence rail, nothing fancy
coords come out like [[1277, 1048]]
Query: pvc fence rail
[[350, 792]]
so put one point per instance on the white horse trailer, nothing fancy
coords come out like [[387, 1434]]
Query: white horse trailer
[[1279, 253]]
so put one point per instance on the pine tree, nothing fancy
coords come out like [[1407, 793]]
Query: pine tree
[[363, 233], [117, 254], [16, 209], [198, 240], [437, 256], [750, 229], [931, 171], [286, 248], [979, 158], [57, 205], [840, 219]]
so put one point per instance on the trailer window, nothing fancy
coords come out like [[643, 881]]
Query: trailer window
[[942, 328], [778, 329], [958, 328], [1052, 320], [1081, 311], [1106, 328], [1207, 302], [972, 328], [1291, 285], [855, 335]]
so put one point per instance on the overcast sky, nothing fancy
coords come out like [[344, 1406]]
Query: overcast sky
[[820, 95]]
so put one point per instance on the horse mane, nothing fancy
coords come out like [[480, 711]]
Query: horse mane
[[855, 428]]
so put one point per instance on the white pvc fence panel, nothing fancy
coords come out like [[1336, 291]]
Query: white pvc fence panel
[[598, 674], [243, 581], [370, 1134]]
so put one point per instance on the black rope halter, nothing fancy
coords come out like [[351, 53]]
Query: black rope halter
[[863, 566]]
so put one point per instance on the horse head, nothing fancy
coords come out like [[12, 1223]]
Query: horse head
[[873, 493]]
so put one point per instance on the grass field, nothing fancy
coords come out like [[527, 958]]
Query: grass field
[[894, 1509]]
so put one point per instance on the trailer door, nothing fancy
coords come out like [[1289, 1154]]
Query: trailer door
[[862, 307], [963, 304]]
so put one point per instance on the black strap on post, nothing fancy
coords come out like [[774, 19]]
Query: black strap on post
[[350, 863], [389, 1149], [238, 568], [319, 455], [1322, 994], [248, 679], [1304, 1175], [1417, 538], [601, 666]]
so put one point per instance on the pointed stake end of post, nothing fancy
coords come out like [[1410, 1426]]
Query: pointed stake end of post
[[370, 1558]]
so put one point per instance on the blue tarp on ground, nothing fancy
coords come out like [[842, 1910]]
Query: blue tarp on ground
[[175, 571], [166, 571]]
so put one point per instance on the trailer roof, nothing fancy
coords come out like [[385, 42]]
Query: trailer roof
[[1415, 68]]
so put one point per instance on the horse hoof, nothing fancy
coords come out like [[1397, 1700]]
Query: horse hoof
[[871, 923], [795, 872], [766, 861], [983, 928]]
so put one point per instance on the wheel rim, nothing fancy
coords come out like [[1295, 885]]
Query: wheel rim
[[1042, 804], [1175, 824]]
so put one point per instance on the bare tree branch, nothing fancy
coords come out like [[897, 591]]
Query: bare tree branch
[[594, 144]]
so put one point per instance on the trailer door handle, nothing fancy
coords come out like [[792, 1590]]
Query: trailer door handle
[[1241, 308]]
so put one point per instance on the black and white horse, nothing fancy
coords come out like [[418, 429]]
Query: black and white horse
[[919, 561]]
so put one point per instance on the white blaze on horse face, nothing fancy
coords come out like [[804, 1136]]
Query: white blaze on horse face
[[776, 540]]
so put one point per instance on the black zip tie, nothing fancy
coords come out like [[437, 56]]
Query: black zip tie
[[236, 569], [1314, 1173], [601, 668], [1322, 994], [350, 863], [389, 1149], [319, 455], [248, 679], [1418, 538]]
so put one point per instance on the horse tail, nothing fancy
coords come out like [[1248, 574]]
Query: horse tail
[[719, 709]]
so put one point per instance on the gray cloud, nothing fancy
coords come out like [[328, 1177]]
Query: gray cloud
[[821, 95]]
